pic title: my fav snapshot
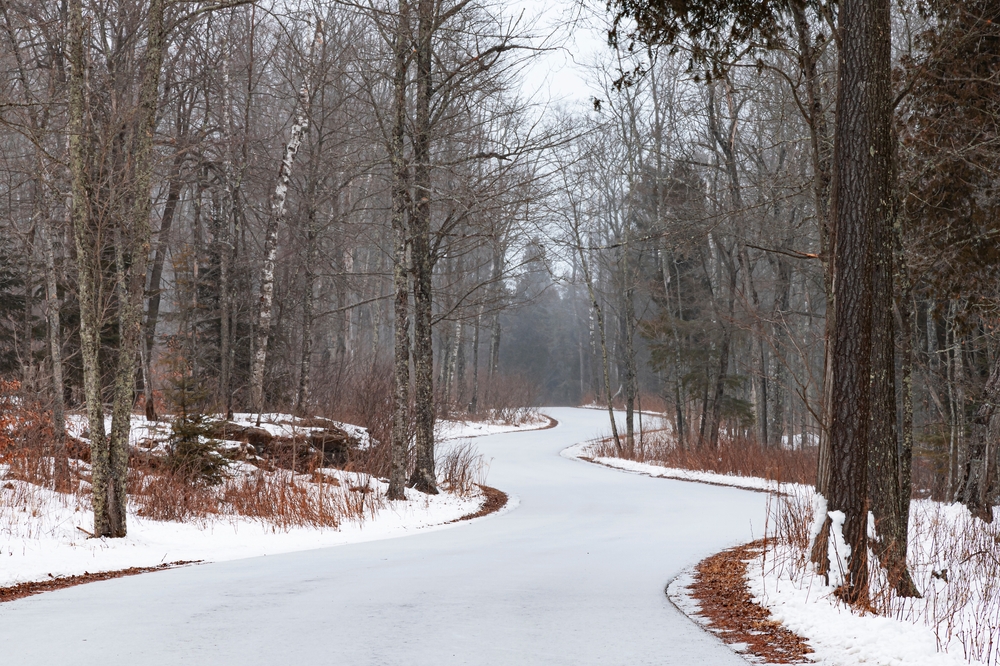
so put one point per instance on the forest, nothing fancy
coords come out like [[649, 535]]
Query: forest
[[355, 209]]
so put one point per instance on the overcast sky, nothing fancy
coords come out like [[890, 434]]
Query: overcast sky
[[575, 37]]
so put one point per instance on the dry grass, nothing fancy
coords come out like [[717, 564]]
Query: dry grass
[[265, 489], [954, 560], [461, 468], [736, 456]]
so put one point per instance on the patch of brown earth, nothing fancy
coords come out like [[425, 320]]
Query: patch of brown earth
[[22, 590], [495, 500], [720, 587]]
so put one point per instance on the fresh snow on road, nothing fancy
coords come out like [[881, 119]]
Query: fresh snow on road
[[574, 575]]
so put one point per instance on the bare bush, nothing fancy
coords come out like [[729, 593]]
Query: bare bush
[[510, 399], [461, 468], [953, 560]]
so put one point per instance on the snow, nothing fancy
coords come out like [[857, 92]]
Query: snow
[[153, 434], [583, 451], [574, 575], [42, 532], [455, 429], [838, 636], [52, 542], [954, 621]]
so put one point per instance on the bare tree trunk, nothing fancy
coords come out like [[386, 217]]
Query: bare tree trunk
[[222, 239], [630, 369], [132, 256], [782, 304], [977, 473], [497, 287], [907, 328], [53, 307], [595, 304], [423, 477], [266, 299], [679, 422], [724, 346], [305, 362], [87, 265], [400, 268], [883, 461], [474, 402]]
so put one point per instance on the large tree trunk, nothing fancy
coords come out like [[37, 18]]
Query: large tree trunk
[[87, 265], [862, 209], [884, 464], [423, 477]]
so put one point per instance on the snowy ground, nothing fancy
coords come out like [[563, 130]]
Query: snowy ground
[[584, 451], [574, 575], [956, 622], [44, 534], [41, 533], [450, 430], [154, 434]]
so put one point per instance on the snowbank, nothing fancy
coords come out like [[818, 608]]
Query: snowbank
[[954, 561], [42, 533], [45, 534]]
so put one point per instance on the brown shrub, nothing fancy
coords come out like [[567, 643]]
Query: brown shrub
[[737, 456]]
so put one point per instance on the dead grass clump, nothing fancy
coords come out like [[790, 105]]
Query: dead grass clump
[[169, 495], [461, 468], [736, 456]]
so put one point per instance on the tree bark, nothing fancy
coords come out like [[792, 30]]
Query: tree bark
[[883, 461], [862, 207], [53, 311], [400, 268], [132, 256], [87, 265], [423, 477]]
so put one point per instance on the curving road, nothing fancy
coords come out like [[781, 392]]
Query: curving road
[[574, 575]]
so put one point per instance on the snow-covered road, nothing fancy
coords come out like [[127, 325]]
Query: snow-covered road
[[574, 575]]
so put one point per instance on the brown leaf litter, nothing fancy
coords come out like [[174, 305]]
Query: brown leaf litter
[[720, 586]]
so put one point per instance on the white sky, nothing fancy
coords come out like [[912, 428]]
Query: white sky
[[559, 76]]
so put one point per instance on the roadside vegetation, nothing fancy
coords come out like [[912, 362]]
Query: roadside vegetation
[[953, 557], [285, 471]]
